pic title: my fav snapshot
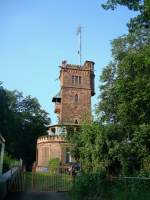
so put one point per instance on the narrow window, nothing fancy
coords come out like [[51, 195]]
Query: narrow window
[[76, 79], [67, 155], [79, 80], [76, 121], [45, 154], [76, 98], [73, 79]]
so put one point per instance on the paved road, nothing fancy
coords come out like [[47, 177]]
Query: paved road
[[38, 196]]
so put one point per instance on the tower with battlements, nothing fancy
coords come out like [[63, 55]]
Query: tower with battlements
[[72, 104], [74, 99]]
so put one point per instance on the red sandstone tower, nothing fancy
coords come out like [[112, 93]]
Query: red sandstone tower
[[72, 103], [74, 98]]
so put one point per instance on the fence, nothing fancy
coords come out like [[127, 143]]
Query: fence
[[10, 180], [42, 179], [55, 179]]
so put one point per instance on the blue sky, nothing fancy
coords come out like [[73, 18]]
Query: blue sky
[[36, 35]]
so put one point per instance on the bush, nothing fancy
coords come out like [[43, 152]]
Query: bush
[[92, 186], [54, 166], [8, 162], [99, 187]]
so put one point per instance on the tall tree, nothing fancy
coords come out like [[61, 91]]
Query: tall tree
[[22, 122], [139, 26], [125, 88], [120, 143]]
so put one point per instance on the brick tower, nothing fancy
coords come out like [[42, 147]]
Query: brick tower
[[71, 104], [74, 98]]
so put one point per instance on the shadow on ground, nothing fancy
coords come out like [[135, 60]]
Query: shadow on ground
[[38, 196]]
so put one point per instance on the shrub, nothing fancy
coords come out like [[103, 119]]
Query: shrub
[[92, 186], [8, 162], [54, 166], [99, 187]]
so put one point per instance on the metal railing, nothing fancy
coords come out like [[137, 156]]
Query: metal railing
[[10, 181], [43, 179], [54, 179]]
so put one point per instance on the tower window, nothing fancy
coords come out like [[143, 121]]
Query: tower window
[[76, 80], [79, 79], [68, 157], [76, 98], [45, 154], [73, 79], [76, 121]]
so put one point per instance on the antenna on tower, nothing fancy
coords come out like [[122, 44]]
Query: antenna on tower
[[79, 33]]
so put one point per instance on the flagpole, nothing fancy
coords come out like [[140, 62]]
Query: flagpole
[[80, 48], [79, 30]]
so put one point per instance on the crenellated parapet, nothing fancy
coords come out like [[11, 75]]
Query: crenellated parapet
[[50, 138]]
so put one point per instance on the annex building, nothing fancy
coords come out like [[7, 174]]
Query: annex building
[[72, 102]]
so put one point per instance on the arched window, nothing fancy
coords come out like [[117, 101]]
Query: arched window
[[68, 158], [76, 98], [76, 121]]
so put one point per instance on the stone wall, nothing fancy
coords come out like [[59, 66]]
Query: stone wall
[[49, 147], [76, 95]]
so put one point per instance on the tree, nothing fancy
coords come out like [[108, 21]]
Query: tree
[[139, 26], [125, 93], [119, 142], [22, 121], [111, 144]]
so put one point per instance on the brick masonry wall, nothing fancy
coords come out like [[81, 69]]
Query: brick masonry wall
[[70, 109]]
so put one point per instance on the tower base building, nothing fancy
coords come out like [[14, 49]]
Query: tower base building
[[72, 105]]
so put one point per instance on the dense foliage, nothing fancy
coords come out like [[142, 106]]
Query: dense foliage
[[53, 166], [9, 162], [84, 187], [118, 143], [95, 186], [21, 122], [125, 89]]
